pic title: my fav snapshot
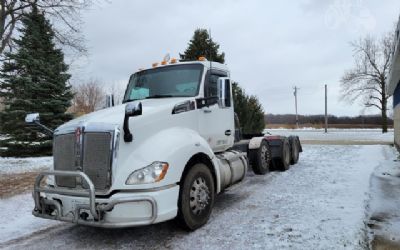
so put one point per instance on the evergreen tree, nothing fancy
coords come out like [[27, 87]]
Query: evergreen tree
[[202, 45], [249, 111], [248, 108], [33, 79]]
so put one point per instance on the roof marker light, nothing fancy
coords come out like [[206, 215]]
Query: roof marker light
[[173, 60], [164, 63], [155, 65], [202, 58]]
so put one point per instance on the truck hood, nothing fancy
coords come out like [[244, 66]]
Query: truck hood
[[115, 115]]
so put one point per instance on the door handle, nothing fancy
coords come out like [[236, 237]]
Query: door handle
[[207, 111], [228, 132]]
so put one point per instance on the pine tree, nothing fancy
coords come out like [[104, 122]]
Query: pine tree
[[249, 111], [248, 108], [33, 79], [202, 45]]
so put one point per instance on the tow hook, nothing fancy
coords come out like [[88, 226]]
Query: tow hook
[[84, 215]]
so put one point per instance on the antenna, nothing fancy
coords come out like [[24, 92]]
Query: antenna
[[210, 48], [166, 57]]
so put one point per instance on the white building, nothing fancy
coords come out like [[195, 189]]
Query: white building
[[394, 85]]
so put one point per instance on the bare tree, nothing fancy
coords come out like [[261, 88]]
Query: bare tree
[[368, 78], [88, 97], [64, 13]]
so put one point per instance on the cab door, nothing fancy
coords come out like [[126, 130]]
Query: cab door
[[216, 120]]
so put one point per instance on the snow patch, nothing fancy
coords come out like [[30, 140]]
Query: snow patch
[[12, 165], [16, 219]]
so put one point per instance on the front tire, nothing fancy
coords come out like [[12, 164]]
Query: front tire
[[196, 197]]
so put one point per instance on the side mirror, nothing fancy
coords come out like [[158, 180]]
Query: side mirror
[[32, 118], [131, 109], [224, 92]]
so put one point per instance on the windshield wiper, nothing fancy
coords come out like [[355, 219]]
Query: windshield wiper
[[159, 96]]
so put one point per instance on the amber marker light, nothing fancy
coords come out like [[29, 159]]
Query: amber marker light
[[173, 60], [163, 172], [202, 58], [164, 63], [155, 65]]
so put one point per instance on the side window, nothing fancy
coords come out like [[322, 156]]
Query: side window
[[211, 84], [212, 87], [227, 93]]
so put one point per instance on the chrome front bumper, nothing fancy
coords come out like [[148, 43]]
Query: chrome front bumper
[[53, 208]]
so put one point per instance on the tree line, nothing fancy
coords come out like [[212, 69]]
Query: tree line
[[320, 119]]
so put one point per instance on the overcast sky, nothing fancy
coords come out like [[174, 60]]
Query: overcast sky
[[270, 46]]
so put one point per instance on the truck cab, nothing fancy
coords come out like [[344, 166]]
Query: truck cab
[[165, 153]]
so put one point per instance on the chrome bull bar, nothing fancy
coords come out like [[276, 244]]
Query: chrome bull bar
[[86, 193], [94, 209]]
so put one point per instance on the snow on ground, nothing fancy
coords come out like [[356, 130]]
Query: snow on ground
[[11, 165], [383, 209], [317, 204], [16, 219], [372, 135]]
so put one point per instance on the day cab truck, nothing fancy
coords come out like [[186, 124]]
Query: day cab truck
[[166, 152]]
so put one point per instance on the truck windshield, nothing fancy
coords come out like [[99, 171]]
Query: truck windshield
[[171, 81]]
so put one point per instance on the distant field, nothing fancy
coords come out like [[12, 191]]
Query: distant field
[[320, 126], [336, 136]]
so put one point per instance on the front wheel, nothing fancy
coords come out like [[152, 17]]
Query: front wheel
[[196, 197]]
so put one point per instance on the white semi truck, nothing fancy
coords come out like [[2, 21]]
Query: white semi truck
[[165, 153]]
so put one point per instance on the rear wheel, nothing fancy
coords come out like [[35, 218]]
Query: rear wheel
[[295, 150], [261, 159], [284, 162], [196, 197]]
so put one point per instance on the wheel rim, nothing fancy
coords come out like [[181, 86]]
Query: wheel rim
[[199, 196], [264, 152]]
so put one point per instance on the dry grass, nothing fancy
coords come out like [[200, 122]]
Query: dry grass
[[13, 184]]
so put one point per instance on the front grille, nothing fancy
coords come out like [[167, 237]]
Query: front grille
[[64, 158], [95, 160]]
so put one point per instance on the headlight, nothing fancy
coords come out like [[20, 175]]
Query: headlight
[[155, 172]]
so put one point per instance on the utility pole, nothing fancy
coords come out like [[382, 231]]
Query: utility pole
[[295, 105], [326, 108]]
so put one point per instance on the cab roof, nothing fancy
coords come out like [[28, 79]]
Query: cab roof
[[207, 64]]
